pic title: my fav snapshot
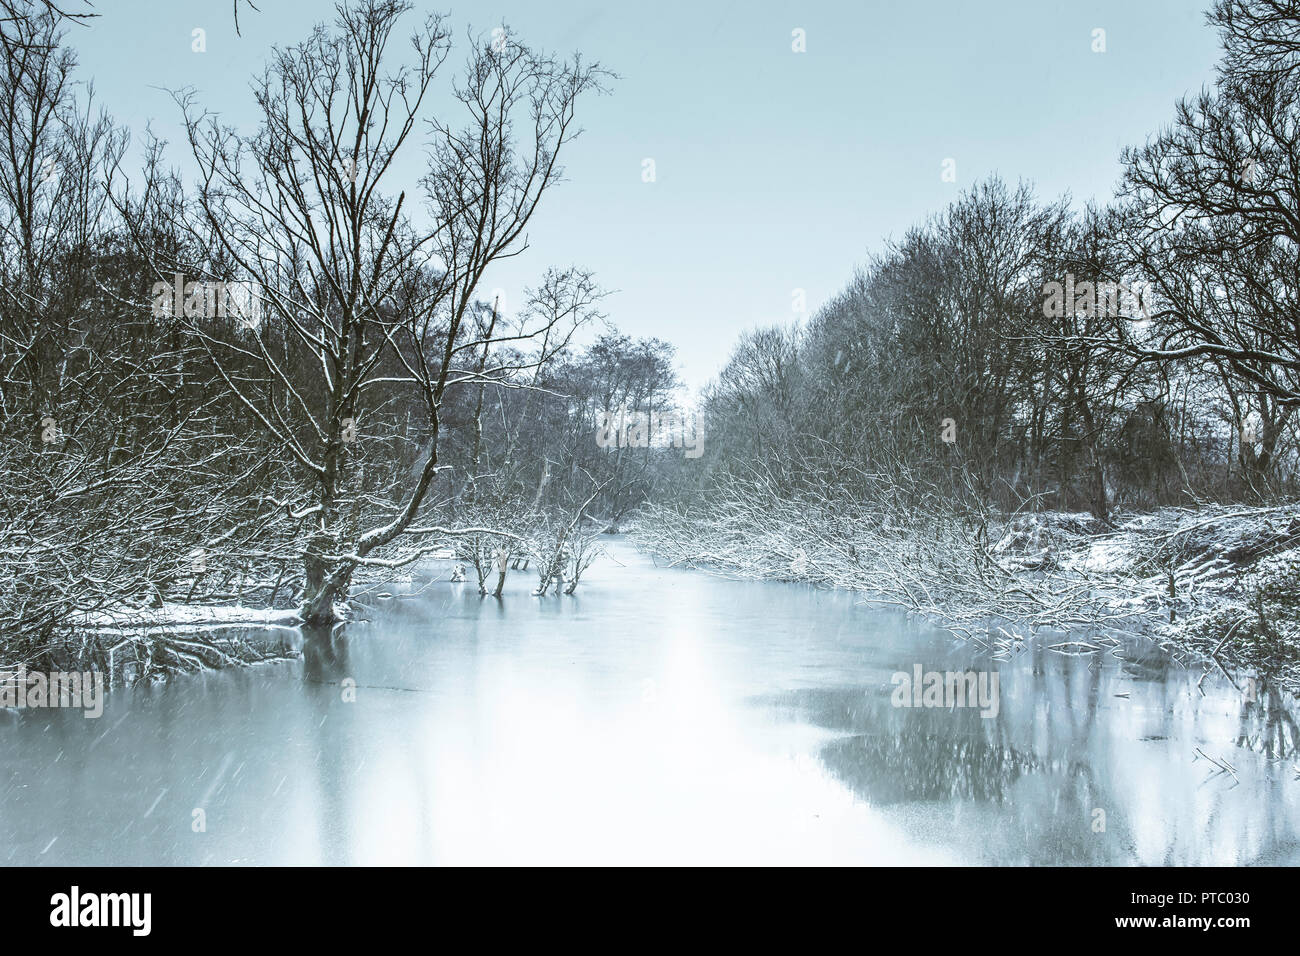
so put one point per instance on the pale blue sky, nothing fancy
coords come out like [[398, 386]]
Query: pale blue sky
[[775, 170]]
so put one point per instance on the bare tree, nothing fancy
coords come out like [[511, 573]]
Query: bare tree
[[18, 16], [1261, 38], [1212, 219], [369, 298]]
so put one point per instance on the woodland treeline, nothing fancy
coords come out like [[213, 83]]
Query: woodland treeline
[[1016, 377], [953, 366], [363, 401]]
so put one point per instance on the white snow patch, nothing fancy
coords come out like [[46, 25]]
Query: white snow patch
[[1102, 556], [186, 615]]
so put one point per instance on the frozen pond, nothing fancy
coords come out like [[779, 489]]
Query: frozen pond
[[657, 716]]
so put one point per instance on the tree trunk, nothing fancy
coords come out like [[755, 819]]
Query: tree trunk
[[323, 587]]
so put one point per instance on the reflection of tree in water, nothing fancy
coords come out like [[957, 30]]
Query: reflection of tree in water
[[325, 661], [1143, 661], [1267, 724], [324, 654], [897, 754], [164, 650], [1028, 809], [1025, 788], [884, 768]]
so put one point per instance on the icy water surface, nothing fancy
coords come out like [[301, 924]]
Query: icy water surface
[[658, 716]]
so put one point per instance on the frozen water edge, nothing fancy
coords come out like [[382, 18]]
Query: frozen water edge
[[1184, 578]]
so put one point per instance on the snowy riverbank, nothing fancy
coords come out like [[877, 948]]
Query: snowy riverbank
[[1215, 583]]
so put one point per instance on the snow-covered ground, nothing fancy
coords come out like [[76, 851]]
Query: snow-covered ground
[[1221, 582], [183, 617]]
